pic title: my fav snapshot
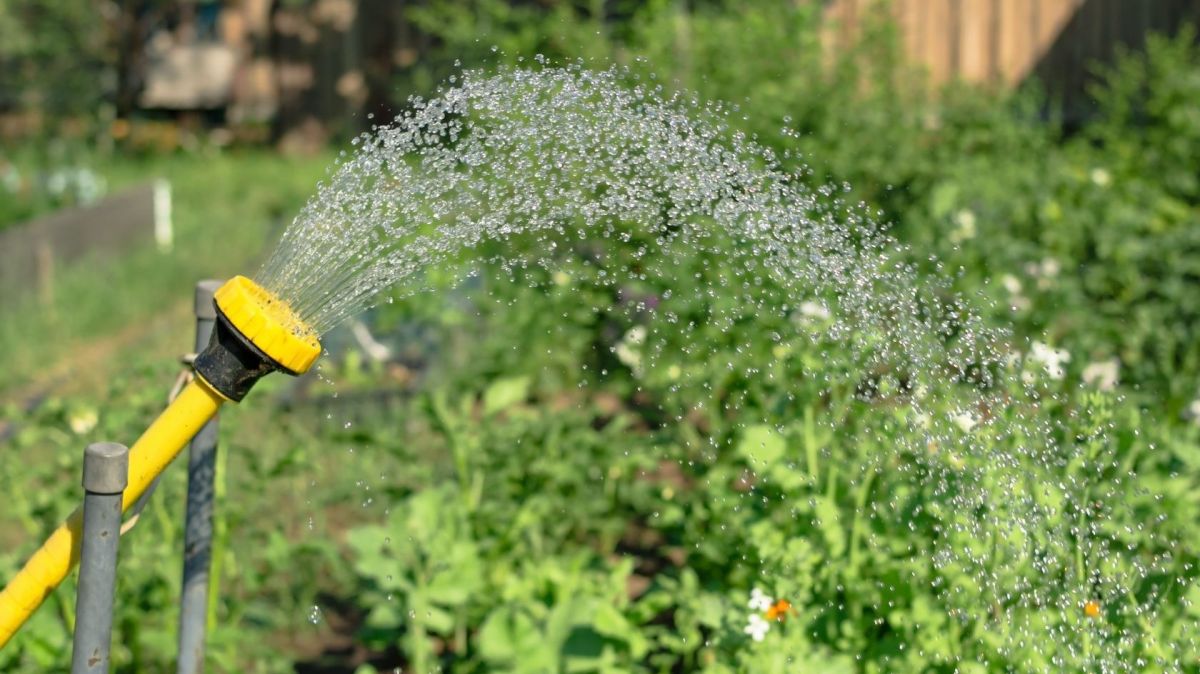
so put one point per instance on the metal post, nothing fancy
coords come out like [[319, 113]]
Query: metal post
[[197, 546], [105, 474]]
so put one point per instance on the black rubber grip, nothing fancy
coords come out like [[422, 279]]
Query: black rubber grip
[[231, 363]]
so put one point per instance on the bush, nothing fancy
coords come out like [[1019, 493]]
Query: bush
[[54, 60]]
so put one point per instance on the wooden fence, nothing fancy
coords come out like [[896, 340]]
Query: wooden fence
[[1009, 41]]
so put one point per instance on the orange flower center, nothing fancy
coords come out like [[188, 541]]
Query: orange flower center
[[779, 610]]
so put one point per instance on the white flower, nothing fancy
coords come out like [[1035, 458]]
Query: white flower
[[1016, 301], [757, 628], [56, 184], [1193, 411], [814, 310], [629, 349], [10, 177], [1013, 359], [82, 421], [965, 220], [88, 186], [1102, 374], [629, 357], [1044, 271], [1101, 177], [1050, 358], [759, 601], [965, 421]]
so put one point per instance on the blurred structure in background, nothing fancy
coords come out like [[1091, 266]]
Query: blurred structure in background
[[288, 71], [191, 67], [1009, 41], [295, 71], [298, 72]]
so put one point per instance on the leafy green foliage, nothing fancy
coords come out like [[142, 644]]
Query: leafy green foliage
[[53, 56], [557, 496]]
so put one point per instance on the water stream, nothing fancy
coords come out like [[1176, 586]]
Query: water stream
[[529, 167]]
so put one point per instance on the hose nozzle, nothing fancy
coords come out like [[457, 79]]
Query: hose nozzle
[[256, 333]]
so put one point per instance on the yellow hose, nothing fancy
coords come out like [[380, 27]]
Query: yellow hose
[[149, 456]]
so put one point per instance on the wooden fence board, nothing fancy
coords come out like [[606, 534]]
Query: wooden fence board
[[976, 37], [910, 16], [981, 40], [1017, 21], [940, 48], [1009, 41]]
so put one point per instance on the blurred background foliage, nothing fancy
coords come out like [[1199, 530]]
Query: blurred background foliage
[[480, 504], [56, 58]]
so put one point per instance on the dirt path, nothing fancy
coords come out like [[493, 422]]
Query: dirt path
[[87, 365]]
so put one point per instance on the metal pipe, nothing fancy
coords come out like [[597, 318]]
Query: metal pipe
[[255, 334], [148, 457], [105, 475], [197, 537]]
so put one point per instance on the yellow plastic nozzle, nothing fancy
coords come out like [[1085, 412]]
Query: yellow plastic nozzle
[[269, 323]]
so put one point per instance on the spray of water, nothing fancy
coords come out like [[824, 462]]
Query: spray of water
[[549, 161]]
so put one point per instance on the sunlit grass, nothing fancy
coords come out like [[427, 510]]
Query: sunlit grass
[[226, 208]]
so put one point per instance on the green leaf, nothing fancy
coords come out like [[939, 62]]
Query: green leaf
[[435, 619], [447, 590], [497, 640], [829, 522], [613, 624], [509, 634], [1192, 603], [504, 393], [943, 199], [762, 445], [385, 616]]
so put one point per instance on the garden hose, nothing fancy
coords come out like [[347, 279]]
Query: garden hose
[[255, 334]]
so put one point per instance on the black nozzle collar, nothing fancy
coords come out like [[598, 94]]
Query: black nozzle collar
[[232, 364]]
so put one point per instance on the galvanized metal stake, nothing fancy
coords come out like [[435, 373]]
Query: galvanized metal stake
[[197, 546], [105, 474]]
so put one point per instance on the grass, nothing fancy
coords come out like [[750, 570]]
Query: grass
[[227, 209]]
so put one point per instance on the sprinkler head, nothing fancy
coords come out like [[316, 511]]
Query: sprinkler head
[[255, 334]]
